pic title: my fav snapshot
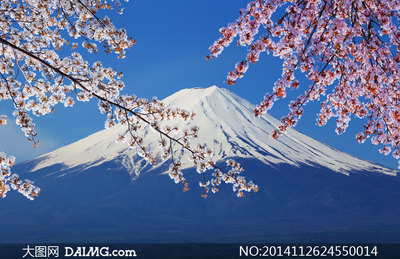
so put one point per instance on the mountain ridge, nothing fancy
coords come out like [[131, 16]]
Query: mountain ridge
[[236, 133]]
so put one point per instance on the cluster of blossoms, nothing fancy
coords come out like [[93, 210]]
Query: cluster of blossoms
[[36, 73], [8, 181], [239, 183], [349, 51]]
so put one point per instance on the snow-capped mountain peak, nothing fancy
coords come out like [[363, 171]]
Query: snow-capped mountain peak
[[228, 126]]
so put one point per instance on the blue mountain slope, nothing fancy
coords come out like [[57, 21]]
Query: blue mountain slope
[[97, 191], [294, 204]]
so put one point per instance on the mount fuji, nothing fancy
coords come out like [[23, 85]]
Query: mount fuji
[[97, 190]]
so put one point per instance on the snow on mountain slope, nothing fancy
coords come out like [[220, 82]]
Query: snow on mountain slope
[[228, 126]]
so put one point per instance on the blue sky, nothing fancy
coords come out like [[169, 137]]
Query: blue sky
[[172, 41]]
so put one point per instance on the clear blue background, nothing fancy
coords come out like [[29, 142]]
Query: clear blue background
[[172, 41]]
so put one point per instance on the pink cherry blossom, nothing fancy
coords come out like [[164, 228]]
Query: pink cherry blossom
[[348, 50]]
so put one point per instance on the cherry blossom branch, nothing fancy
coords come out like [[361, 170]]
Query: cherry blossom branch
[[363, 35], [198, 157]]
